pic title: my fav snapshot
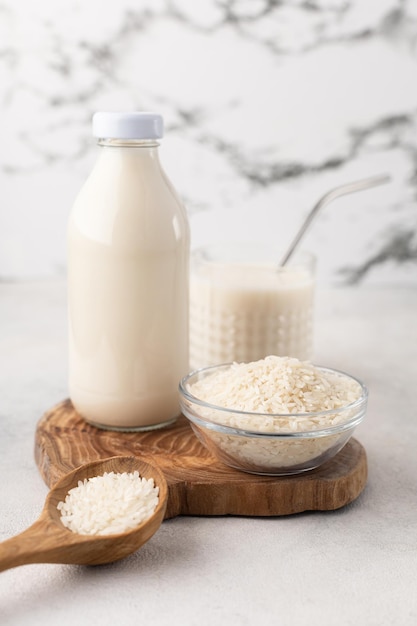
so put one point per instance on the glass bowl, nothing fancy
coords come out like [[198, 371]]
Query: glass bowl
[[276, 444]]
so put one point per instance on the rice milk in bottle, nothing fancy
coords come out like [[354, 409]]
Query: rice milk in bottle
[[128, 255]]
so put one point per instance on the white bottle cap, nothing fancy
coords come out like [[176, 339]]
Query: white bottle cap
[[134, 125]]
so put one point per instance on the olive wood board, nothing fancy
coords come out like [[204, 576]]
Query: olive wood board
[[198, 484]]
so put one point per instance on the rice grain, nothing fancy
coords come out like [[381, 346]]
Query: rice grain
[[109, 504]]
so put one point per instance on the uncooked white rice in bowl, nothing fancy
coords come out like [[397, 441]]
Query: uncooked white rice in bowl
[[275, 416], [109, 504]]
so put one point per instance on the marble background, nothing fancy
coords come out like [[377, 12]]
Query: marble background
[[267, 105]]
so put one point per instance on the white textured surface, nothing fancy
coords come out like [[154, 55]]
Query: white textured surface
[[356, 566], [267, 105]]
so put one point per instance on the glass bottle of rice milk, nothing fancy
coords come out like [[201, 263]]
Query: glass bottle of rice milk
[[128, 255]]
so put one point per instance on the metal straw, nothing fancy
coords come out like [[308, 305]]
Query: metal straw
[[328, 197]]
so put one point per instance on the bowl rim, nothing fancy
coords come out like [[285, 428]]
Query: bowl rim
[[359, 403]]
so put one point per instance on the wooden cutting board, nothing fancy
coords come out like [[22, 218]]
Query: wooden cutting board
[[198, 484]]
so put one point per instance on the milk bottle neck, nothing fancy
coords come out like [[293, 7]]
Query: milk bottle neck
[[114, 153], [140, 144]]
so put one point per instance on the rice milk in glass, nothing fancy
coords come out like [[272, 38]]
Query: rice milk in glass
[[244, 308], [128, 261]]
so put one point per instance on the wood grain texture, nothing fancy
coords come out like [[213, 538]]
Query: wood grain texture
[[198, 484]]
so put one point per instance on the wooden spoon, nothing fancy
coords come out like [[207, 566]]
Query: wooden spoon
[[48, 541]]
